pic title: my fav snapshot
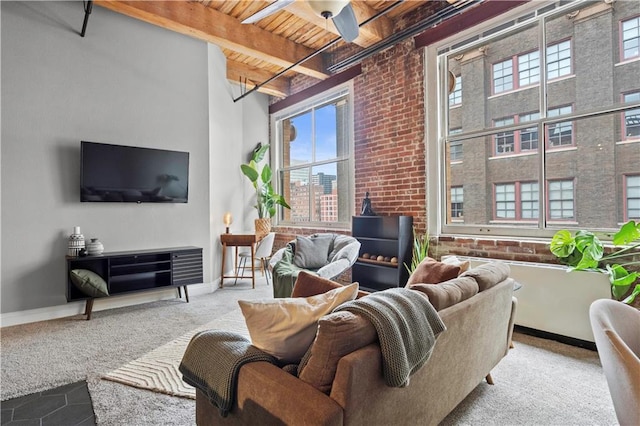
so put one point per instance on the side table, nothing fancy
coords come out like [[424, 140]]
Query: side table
[[238, 240]]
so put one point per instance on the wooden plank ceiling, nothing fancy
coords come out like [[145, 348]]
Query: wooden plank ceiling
[[256, 52]]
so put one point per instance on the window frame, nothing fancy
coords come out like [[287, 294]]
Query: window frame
[[557, 43], [549, 200], [324, 98], [621, 39], [474, 40], [625, 192], [623, 117], [550, 147], [451, 190]]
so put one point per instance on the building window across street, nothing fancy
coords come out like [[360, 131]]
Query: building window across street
[[632, 117], [457, 202], [633, 197], [631, 38]]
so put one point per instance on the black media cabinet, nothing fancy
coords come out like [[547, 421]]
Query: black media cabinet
[[127, 272]]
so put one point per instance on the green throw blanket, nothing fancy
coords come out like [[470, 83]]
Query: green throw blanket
[[407, 326], [285, 274], [212, 361]]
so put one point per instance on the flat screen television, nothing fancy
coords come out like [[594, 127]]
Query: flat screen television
[[118, 173]]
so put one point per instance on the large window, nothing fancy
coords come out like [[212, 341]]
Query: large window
[[314, 161], [561, 154]]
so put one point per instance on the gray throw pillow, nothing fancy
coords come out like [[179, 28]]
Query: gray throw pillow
[[312, 252], [89, 282]]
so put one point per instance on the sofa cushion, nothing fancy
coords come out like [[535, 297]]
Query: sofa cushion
[[430, 271], [312, 252], [339, 334], [89, 282], [448, 293], [488, 274], [285, 328]]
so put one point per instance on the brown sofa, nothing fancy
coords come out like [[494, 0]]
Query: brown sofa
[[477, 337]]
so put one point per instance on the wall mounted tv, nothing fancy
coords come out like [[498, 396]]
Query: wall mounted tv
[[118, 173]]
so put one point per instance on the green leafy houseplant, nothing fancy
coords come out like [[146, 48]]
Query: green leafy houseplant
[[266, 198], [420, 250], [584, 251]]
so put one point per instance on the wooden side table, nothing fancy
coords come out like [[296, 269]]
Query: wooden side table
[[238, 240]]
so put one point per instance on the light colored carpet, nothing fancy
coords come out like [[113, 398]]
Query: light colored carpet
[[540, 382], [158, 370]]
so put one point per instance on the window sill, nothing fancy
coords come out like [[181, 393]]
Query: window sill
[[519, 154], [627, 61], [628, 141], [562, 149], [508, 92]]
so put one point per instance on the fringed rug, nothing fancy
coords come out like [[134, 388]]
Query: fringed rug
[[157, 370]]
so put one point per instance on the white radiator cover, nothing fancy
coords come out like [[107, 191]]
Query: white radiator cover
[[552, 299]]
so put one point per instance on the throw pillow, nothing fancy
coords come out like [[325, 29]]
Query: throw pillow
[[339, 334], [489, 274], [453, 260], [89, 282], [308, 284], [312, 252], [285, 328], [449, 292], [430, 271]]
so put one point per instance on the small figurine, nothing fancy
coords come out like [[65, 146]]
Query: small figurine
[[366, 206]]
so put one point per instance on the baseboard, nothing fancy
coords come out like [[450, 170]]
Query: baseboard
[[557, 337], [76, 308]]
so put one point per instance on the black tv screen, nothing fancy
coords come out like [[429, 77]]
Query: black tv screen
[[118, 173]]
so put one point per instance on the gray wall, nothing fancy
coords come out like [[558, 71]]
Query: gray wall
[[126, 82]]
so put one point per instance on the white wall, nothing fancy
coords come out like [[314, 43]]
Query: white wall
[[126, 82]]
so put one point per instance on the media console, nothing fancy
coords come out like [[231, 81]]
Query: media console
[[129, 272]]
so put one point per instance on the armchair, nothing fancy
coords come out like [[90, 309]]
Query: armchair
[[326, 255]]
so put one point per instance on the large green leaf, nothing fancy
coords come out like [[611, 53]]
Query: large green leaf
[[249, 172], [259, 154], [562, 243], [628, 233], [266, 174], [621, 279], [589, 245]]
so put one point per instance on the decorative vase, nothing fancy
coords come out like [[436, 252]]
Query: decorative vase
[[263, 226], [76, 242], [95, 247]]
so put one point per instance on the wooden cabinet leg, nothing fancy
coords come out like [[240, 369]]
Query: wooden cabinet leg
[[186, 293], [88, 308], [489, 379]]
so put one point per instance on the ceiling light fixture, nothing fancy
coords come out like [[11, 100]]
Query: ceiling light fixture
[[327, 8]]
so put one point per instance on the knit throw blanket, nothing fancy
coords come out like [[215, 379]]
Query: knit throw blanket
[[212, 361], [407, 326]]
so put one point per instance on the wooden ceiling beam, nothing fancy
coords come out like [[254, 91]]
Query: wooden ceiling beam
[[205, 23], [373, 32], [237, 72]]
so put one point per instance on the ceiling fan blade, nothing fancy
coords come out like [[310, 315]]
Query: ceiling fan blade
[[271, 9], [346, 24]]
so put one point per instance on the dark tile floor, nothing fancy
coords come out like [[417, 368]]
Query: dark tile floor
[[68, 405]]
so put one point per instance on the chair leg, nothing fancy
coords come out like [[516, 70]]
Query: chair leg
[[489, 379], [265, 268], [241, 265]]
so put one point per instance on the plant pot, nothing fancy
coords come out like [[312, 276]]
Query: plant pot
[[263, 226]]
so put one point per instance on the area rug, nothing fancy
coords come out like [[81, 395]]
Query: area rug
[[157, 370]]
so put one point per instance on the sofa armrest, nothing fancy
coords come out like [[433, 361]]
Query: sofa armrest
[[269, 395]]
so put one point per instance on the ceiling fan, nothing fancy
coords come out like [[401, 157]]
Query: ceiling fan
[[339, 11]]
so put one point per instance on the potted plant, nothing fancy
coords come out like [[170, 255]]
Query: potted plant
[[266, 198], [420, 250], [584, 251]]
